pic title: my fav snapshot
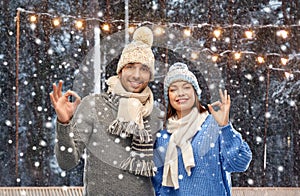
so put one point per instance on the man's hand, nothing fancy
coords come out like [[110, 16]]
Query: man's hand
[[63, 107], [221, 115]]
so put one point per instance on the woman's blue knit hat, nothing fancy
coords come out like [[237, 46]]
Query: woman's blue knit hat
[[180, 72]]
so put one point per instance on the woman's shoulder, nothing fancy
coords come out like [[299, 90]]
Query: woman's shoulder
[[162, 138], [162, 134], [163, 131]]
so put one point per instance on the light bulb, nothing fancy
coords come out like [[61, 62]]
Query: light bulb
[[33, 18], [56, 22], [260, 59], [105, 27], [217, 33], [79, 24]]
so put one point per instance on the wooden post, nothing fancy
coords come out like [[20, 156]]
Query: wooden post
[[17, 92]]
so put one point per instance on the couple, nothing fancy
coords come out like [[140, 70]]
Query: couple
[[127, 150]]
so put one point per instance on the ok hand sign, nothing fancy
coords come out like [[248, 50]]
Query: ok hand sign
[[221, 115], [63, 107]]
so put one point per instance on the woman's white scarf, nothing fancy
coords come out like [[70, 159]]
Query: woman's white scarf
[[133, 108], [182, 131]]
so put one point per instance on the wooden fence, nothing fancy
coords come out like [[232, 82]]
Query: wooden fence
[[77, 191]]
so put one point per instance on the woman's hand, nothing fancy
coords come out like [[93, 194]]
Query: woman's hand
[[221, 115], [63, 107]]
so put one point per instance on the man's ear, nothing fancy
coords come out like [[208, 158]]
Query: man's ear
[[120, 74]]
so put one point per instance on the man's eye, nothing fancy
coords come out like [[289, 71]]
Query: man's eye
[[145, 69], [129, 67]]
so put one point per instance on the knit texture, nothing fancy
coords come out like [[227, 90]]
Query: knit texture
[[182, 130], [130, 123], [87, 134], [218, 151], [139, 50], [180, 72]]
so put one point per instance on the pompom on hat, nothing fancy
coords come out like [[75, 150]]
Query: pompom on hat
[[180, 72], [139, 50]]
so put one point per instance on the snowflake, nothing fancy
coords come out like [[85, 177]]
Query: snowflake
[[120, 176], [43, 143], [268, 115], [250, 181], [158, 135], [63, 174], [62, 148], [8, 123], [36, 164], [180, 176], [280, 168]]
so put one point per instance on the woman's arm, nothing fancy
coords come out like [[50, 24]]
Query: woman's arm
[[159, 164], [235, 152]]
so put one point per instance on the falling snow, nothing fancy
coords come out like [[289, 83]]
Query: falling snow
[[265, 97]]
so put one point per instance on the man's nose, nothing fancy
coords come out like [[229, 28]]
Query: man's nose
[[136, 73]]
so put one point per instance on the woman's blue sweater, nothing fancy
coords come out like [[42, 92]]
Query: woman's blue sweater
[[218, 151]]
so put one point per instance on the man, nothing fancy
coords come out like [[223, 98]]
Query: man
[[115, 129]]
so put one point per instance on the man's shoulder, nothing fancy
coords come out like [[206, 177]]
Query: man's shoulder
[[156, 119], [158, 110], [93, 98], [96, 101]]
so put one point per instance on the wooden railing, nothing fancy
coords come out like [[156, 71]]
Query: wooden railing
[[77, 191]]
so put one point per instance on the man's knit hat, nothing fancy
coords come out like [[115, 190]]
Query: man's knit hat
[[180, 72], [139, 50]]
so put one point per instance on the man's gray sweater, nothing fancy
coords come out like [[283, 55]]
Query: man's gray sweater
[[86, 136]]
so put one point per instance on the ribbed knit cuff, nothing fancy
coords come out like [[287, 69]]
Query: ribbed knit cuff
[[229, 134], [62, 130]]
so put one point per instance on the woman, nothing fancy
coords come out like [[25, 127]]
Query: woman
[[197, 151]]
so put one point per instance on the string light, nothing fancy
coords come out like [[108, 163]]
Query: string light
[[260, 59], [131, 29], [79, 24], [33, 18], [56, 22], [284, 61], [159, 31], [237, 55], [215, 58], [105, 27], [282, 33], [249, 34], [194, 55], [217, 33], [288, 75], [187, 32]]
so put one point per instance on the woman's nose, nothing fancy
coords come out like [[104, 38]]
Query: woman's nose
[[180, 92]]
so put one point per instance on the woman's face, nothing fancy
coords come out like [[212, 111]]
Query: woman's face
[[182, 97]]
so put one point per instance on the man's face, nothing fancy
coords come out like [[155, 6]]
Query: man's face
[[135, 77]]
